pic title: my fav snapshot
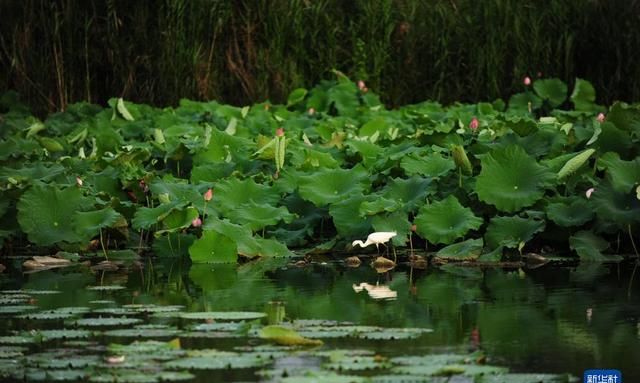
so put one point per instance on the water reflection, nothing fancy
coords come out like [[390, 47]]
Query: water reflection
[[548, 320]]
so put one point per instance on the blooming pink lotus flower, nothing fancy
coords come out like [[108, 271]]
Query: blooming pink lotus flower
[[601, 117], [197, 222], [473, 125], [361, 85], [527, 81], [589, 192], [79, 182], [208, 195], [280, 132]]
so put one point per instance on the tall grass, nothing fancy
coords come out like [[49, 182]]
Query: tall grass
[[57, 52]]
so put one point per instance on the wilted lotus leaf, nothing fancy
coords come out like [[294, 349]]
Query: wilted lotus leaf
[[106, 322], [213, 247], [47, 213], [589, 246], [332, 185], [511, 231], [257, 216], [569, 212], [223, 315], [445, 221], [286, 336], [432, 165], [462, 251], [551, 89], [510, 179]]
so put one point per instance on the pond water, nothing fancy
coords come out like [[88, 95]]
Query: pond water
[[546, 320]]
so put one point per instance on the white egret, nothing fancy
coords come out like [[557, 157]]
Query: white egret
[[378, 238]]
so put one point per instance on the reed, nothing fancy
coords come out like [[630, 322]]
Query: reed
[[57, 52]]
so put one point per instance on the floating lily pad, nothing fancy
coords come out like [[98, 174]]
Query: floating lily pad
[[228, 326], [11, 352], [106, 288], [394, 333], [143, 333], [223, 315], [63, 334], [525, 378], [106, 322], [15, 309], [17, 339], [38, 375], [154, 308], [116, 311], [31, 292], [358, 363], [219, 361], [57, 360], [323, 377]]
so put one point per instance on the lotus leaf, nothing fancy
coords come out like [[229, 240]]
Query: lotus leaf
[[257, 216], [589, 246], [552, 90], [224, 315], [621, 209], [106, 322], [624, 175], [45, 213], [510, 179], [332, 185], [433, 165], [583, 95], [462, 251], [88, 224], [511, 231], [286, 336], [213, 247], [445, 221], [570, 212]]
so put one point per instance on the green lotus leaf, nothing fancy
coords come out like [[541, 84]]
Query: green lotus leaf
[[257, 216], [323, 376], [572, 165], [411, 193], [524, 102], [233, 192], [106, 288], [589, 246], [346, 216], [31, 172], [358, 363], [272, 248], [145, 217], [624, 175], [241, 235], [63, 334], [613, 139], [172, 245], [16, 309], [510, 179], [296, 96], [88, 224], [345, 98], [433, 165], [445, 221], [570, 212], [143, 333], [213, 247], [450, 369], [552, 90], [583, 95], [177, 220], [397, 221], [379, 205], [462, 251], [223, 148], [511, 231], [625, 117], [332, 185], [522, 125], [46, 214], [621, 209], [526, 378], [367, 150]]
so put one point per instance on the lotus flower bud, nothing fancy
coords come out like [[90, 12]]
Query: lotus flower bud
[[601, 117], [79, 181], [589, 192], [527, 81], [361, 85], [197, 222], [311, 111], [280, 132], [473, 125], [208, 195]]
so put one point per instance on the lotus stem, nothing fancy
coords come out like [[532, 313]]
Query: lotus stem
[[633, 243], [104, 250]]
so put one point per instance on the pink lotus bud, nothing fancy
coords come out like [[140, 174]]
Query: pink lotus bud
[[311, 111], [143, 185], [280, 132], [365, 89], [589, 192], [197, 222], [526, 81], [208, 195], [361, 85], [473, 125], [79, 181], [601, 117]]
